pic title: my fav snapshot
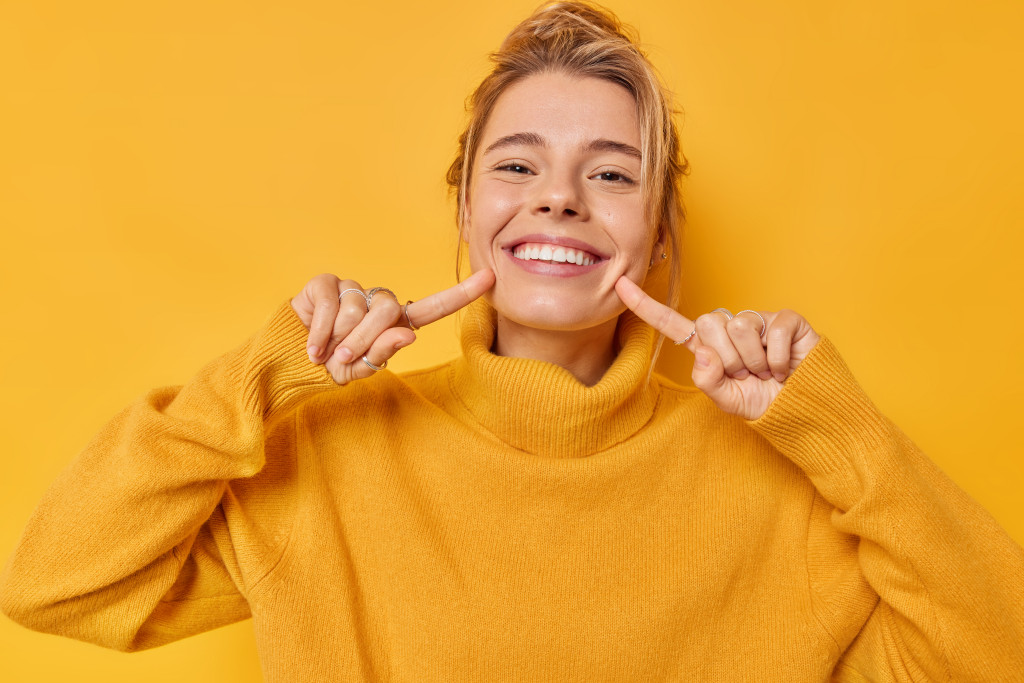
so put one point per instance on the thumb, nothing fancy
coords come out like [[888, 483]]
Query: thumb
[[709, 373]]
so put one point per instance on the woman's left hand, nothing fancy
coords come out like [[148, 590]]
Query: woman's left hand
[[738, 367]]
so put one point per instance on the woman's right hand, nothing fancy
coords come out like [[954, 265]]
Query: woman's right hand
[[342, 332]]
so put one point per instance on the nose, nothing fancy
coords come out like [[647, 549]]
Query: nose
[[559, 195]]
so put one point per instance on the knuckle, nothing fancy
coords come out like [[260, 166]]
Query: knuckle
[[435, 308], [733, 366], [787, 316], [663, 318], [357, 343], [705, 322], [350, 314], [322, 284], [739, 324], [387, 307], [325, 278]]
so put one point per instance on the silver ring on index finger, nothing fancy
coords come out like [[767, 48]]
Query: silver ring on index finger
[[688, 337], [408, 320], [366, 299]]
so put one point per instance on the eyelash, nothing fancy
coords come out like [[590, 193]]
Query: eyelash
[[518, 168], [510, 166], [623, 179]]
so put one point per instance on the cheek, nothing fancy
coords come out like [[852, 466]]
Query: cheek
[[492, 206], [632, 236]]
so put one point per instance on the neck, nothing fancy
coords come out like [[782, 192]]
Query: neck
[[587, 354]]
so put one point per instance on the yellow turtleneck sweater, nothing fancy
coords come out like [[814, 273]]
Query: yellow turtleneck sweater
[[492, 519]]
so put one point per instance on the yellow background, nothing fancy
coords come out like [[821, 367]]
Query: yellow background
[[172, 171]]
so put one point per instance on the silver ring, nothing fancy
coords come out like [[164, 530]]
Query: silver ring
[[764, 325], [408, 320], [360, 292], [725, 311], [375, 368], [376, 290], [688, 337]]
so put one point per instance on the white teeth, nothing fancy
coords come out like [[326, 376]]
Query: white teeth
[[555, 254]]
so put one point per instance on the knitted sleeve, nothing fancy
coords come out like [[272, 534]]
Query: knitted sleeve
[[129, 547], [949, 580]]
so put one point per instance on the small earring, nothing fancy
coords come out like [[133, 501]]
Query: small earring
[[664, 256]]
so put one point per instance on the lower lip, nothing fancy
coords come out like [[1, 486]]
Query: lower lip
[[552, 268]]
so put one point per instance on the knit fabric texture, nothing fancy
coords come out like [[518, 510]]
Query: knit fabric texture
[[492, 519]]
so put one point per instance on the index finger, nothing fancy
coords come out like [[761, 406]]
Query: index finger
[[436, 306], [670, 323]]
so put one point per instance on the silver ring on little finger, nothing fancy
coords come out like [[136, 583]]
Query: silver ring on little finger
[[376, 290], [360, 292], [724, 311], [375, 368], [688, 337], [764, 325]]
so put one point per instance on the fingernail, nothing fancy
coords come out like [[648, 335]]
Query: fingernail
[[702, 358], [765, 375], [401, 344], [780, 377], [742, 374], [313, 352], [344, 354]]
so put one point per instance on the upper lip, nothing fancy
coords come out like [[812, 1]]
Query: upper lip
[[556, 240]]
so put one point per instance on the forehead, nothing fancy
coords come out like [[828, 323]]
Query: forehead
[[565, 110]]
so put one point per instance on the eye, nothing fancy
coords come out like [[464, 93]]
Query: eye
[[614, 177], [513, 167]]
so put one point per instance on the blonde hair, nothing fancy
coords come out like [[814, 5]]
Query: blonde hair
[[586, 40]]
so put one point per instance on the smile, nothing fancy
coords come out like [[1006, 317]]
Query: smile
[[553, 253]]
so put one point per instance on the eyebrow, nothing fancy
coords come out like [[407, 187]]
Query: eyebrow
[[535, 140], [613, 146], [517, 139]]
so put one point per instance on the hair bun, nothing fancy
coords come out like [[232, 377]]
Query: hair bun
[[556, 19], [576, 17]]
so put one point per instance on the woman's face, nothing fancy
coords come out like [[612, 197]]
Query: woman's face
[[554, 204]]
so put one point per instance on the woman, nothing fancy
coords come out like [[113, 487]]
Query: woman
[[543, 507]]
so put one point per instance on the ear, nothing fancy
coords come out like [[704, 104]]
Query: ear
[[660, 244]]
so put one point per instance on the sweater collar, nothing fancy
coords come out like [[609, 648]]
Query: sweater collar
[[540, 407]]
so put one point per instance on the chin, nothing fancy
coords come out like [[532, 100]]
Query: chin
[[553, 313]]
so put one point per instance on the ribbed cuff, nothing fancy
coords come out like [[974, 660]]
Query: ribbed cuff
[[273, 367], [825, 423]]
